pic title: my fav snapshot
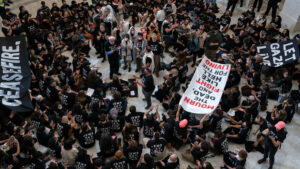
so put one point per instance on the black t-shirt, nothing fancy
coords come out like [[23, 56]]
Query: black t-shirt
[[67, 100], [243, 133], [198, 154], [55, 150], [168, 9], [86, 139], [119, 164], [109, 47], [135, 119], [180, 133], [241, 22], [263, 126], [82, 117], [214, 122], [148, 82], [52, 93], [104, 129], [221, 145], [149, 130], [131, 136], [63, 129], [156, 48], [83, 162], [117, 124], [233, 162], [276, 135], [37, 164], [167, 134], [156, 146], [118, 104], [133, 155]]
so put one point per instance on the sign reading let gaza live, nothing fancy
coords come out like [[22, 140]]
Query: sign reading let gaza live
[[15, 74], [206, 88], [278, 54]]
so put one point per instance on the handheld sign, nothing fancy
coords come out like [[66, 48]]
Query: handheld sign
[[206, 88], [279, 54], [15, 74]]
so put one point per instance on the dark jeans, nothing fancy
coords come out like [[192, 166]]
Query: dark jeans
[[2, 12], [148, 95], [138, 63], [113, 65], [231, 3], [270, 152], [274, 9], [242, 2], [157, 63], [259, 4], [198, 54]]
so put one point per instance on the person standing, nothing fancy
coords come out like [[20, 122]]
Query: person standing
[[112, 52], [127, 46], [274, 138], [232, 4], [139, 46], [156, 47], [147, 85], [2, 9], [259, 4], [274, 5], [212, 43]]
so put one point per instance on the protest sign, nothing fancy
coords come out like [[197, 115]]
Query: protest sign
[[15, 74], [278, 54], [206, 88]]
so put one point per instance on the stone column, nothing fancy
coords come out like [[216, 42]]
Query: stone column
[[290, 14]]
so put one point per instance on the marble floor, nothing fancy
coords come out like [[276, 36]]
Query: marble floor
[[286, 158]]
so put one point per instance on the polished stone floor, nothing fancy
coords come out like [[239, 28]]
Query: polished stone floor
[[286, 158]]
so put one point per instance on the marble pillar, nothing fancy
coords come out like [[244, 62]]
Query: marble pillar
[[290, 14]]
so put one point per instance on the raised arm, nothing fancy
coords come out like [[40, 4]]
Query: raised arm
[[148, 111], [177, 114], [157, 113]]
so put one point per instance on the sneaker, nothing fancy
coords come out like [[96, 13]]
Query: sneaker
[[119, 74]]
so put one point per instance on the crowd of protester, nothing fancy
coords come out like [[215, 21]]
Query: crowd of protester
[[67, 122]]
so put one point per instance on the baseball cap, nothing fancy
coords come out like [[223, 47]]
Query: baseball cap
[[183, 123], [280, 125]]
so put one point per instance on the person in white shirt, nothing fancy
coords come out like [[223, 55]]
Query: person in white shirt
[[160, 16], [148, 59]]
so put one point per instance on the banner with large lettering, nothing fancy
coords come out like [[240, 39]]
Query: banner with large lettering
[[15, 74], [206, 88], [278, 54]]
